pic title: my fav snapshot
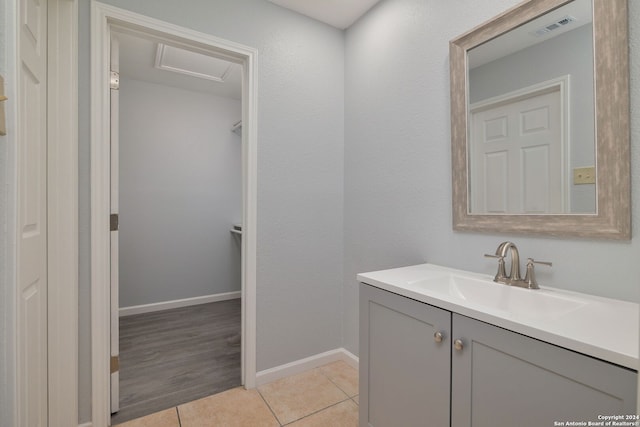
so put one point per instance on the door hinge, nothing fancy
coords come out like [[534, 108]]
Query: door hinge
[[114, 222], [115, 364], [114, 80]]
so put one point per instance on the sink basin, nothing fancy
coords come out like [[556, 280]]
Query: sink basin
[[496, 296]]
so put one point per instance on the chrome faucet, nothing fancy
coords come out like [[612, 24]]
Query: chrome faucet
[[514, 275]]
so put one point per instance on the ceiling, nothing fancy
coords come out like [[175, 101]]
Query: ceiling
[[138, 54], [138, 61], [338, 13], [525, 35]]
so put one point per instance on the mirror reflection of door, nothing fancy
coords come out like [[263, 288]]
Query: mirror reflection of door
[[517, 155], [554, 47]]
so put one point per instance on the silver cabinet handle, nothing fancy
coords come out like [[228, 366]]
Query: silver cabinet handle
[[438, 336], [458, 345]]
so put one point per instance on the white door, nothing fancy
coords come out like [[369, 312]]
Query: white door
[[516, 158], [115, 326], [32, 214]]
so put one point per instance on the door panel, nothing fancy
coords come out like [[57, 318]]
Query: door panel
[[496, 179], [32, 214], [504, 378], [517, 160], [404, 372], [536, 191]]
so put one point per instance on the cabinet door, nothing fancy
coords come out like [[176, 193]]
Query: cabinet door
[[501, 378], [404, 371]]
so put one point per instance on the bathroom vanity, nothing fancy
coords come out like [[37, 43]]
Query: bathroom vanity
[[444, 347]]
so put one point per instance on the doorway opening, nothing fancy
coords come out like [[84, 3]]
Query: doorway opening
[[108, 21], [176, 190]]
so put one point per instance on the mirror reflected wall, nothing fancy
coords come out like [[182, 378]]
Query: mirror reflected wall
[[531, 112], [540, 121]]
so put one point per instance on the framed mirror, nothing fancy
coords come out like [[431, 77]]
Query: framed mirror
[[540, 121]]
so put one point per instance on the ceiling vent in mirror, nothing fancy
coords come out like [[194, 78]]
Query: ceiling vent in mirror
[[555, 25], [194, 64]]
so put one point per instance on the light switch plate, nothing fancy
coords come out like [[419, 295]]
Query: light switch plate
[[585, 175], [3, 123]]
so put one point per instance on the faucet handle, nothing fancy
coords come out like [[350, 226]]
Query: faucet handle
[[501, 275], [530, 277], [550, 264]]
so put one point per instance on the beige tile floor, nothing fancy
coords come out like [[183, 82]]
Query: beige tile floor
[[324, 396]]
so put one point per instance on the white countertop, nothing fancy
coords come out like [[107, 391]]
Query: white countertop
[[600, 327]]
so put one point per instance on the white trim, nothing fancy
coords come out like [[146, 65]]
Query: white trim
[[100, 245], [249, 217], [85, 425], [103, 17], [160, 65], [522, 93], [303, 365], [185, 302], [350, 358], [62, 212]]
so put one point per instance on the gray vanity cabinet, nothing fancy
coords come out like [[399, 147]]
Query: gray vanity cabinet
[[501, 378], [492, 378], [404, 370]]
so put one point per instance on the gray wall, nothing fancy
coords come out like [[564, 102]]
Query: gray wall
[[180, 193], [569, 53], [398, 157], [300, 171]]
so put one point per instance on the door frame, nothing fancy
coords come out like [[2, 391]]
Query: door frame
[[62, 212], [103, 18]]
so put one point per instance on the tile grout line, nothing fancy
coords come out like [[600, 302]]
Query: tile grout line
[[136, 334], [313, 413], [319, 368], [269, 406], [280, 423], [335, 384]]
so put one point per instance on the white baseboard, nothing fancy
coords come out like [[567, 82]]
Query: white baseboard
[[350, 358], [305, 364], [166, 305], [89, 424]]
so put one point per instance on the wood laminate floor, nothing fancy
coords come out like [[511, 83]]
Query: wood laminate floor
[[320, 397], [171, 357]]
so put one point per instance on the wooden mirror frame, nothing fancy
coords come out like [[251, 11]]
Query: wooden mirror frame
[[613, 185]]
